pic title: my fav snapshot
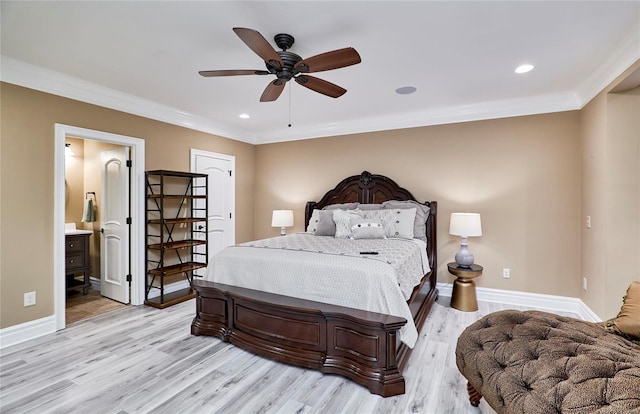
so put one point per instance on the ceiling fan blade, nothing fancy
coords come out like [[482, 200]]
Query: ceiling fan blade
[[321, 86], [272, 91], [329, 60], [209, 73], [258, 44]]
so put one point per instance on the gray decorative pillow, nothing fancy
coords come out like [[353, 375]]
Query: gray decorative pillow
[[343, 218], [344, 206], [420, 221], [385, 217], [366, 229], [313, 221], [326, 226], [369, 206]]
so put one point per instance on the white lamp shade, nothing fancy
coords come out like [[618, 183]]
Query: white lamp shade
[[282, 218], [465, 225]]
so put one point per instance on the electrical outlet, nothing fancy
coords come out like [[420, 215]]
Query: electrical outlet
[[584, 284], [506, 273], [588, 223], [29, 299]]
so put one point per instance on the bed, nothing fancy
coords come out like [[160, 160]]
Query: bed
[[362, 345]]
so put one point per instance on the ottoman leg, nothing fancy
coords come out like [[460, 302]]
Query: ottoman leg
[[474, 396]]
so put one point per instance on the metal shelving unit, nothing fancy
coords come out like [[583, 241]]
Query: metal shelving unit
[[176, 234]]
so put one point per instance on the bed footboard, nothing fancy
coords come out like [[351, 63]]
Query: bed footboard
[[359, 345]]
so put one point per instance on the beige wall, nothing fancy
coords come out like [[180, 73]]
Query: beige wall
[[532, 178], [610, 126], [593, 123], [74, 182], [26, 179], [522, 174]]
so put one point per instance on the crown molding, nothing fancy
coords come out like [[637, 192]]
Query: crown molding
[[41, 79], [619, 60], [446, 115], [35, 77]]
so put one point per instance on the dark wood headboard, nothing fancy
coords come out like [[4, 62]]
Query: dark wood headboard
[[368, 188]]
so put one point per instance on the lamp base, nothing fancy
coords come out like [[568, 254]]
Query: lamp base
[[464, 257], [283, 231]]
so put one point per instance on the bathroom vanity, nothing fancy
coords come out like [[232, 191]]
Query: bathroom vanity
[[77, 263]]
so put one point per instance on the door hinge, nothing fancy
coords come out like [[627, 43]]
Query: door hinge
[[128, 220], [129, 163], [128, 278]]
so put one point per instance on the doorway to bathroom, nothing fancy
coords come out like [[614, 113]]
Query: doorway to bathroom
[[96, 234], [99, 229]]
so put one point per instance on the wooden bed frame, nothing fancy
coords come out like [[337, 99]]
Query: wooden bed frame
[[359, 345]]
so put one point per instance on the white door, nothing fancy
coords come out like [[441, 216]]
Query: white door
[[114, 246], [221, 197]]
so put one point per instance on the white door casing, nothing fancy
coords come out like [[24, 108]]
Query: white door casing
[[137, 146], [114, 246], [221, 198]]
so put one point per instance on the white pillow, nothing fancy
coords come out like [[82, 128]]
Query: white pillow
[[366, 229], [343, 218], [404, 218], [422, 214]]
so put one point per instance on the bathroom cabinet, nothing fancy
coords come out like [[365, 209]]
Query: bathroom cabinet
[[77, 262], [176, 234]]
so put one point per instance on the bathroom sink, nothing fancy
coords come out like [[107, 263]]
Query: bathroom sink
[[70, 228]]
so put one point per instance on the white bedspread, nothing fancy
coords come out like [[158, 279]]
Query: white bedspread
[[329, 270]]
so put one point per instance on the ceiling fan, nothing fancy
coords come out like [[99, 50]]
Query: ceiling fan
[[287, 65]]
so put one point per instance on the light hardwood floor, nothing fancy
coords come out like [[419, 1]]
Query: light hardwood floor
[[79, 306], [143, 360]]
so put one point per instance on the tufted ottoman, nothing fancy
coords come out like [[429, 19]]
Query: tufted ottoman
[[537, 362]]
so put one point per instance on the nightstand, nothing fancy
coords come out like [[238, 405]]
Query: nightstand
[[463, 296]]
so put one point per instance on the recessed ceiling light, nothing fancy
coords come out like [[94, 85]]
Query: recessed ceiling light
[[406, 90], [524, 68], [244, 116]]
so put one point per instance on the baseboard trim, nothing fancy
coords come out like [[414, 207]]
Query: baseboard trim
[[532, 300], [27, 331], [16, 334], [95, 283]]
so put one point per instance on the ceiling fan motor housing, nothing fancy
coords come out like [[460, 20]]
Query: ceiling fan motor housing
[[289, 60]]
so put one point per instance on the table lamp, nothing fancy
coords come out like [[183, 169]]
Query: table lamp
[[465, 225], [282, 219]]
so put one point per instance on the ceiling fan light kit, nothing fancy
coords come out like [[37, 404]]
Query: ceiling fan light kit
[[287, 65]]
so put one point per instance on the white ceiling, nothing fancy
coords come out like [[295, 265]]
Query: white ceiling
[[144, 56]]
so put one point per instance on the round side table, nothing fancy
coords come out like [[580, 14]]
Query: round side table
[[463, 296]]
